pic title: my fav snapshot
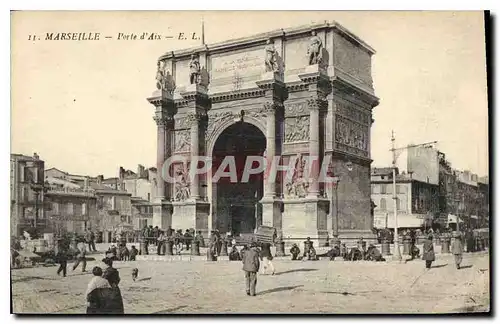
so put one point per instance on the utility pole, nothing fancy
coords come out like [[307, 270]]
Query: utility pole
[[397, 252]]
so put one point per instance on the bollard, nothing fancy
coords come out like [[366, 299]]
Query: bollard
[[385, 247], [406, 245], [280, 249], [223, 251], [143, 248], [445, 245], [195, 248]]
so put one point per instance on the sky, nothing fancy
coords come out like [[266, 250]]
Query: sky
[[82, 105]]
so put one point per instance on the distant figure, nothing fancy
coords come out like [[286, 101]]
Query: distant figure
[[457, 249], [135, 274], [373, 254], [62, 259], [199, 238], [124, 253], [194, 69], [96, 298], [234, 255], [413, 240], [295, 251], [81, 257], [251, 265], [187, 239], [343, 252], [133, 253], [267, 258], [428, 252]]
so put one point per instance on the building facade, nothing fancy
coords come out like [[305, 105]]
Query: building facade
[[26, 194], [416, 201], [142, 187], [292, 93]]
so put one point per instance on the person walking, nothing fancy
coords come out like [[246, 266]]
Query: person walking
[[251, 265], [457, 249], [62, 259], [267, 258], [428, 252], [113, 297], [81, 257]]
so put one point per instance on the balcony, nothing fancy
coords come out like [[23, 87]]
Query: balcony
[[80, 192]]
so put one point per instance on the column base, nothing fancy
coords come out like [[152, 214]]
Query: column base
[[162, 213], [305, 217], [191, 214]]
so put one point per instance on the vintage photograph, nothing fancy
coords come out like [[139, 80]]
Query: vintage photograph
[[249, 162]]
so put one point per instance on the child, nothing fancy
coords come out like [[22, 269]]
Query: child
[[133, 253]]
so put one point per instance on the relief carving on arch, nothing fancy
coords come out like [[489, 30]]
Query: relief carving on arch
[[182, 190], [298, 186], [182, 140], [296, 129], [351, 137]]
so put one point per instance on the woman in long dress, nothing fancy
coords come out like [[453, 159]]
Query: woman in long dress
[[428, 253], [96, 303]]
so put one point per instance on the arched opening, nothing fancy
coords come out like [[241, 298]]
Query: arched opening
[[236, 204]]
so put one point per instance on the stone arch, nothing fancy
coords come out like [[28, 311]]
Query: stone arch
[[212, 138]]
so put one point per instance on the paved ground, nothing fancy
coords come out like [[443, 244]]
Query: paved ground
[[298, 287]]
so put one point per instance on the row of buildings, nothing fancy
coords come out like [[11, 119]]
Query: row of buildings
[[429, 193], [52, 200]]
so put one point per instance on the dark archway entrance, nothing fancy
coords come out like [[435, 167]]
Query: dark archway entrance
[[236, 204]]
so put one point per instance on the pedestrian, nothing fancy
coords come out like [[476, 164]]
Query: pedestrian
[[187, 239], [457, 249], [428, 252], [81, 257], [95, 298], [251, 265], [133, 253], [413, 241], [234, 255], [110, 273], [62, 259], [92, 241], [295, 251], [267, 258], [112, 297], [199, 238]]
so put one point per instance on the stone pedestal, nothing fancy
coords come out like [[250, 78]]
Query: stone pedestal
[[305, 217], [162, 214], [194, 88], [271, 212], [191, 214]]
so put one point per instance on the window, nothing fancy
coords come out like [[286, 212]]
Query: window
[[149, 197], [383, 188], [113, 203], [383, 205], [398, 204], [70, 208], [55, 208], [84, 209], [400, 189]]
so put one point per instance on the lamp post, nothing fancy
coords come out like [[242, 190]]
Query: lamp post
[[397, 253]]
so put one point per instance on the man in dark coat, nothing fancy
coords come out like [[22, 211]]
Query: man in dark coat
[[133, 253], [81, 257], [295, 251], [62, 259], [251, 265], [428, 252], [234, 255], [187, 239], [457, 249]]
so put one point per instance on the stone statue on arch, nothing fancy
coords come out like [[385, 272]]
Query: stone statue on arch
[[194, 69], [315, 49]]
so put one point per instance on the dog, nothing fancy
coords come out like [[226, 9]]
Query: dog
[[135, 273]]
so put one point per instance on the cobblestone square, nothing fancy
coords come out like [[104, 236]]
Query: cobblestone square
[[298, 287]]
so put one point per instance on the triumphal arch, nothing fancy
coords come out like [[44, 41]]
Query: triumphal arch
[[289, 93]]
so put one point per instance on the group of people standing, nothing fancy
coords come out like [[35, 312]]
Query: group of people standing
[[457, 248], [103, 295], [155, 236]]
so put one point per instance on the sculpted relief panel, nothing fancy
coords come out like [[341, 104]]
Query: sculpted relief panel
[[296, 129], [351, 137], [182, 140]]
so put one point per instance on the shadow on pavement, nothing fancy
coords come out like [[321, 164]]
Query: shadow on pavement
[[466, 267], [144, 279], [294, 270], [29, 278], [270, 291], [439, 266], [170, 310]]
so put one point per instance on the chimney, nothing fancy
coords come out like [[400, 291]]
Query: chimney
[[140, 171], [100, 179], [35, 156], [121, 173], [86, 183]]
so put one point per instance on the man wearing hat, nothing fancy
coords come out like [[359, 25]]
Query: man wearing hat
[[251, 265], [457, 248], [428, 252]]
